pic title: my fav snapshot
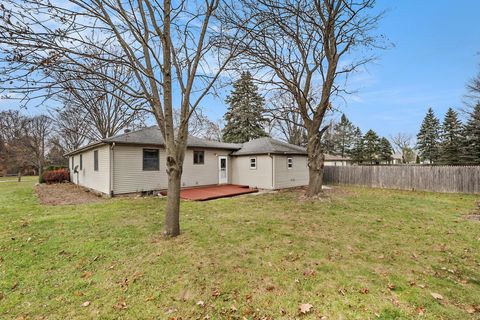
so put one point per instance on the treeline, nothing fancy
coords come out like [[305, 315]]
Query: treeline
[[346, 140], [450, 142]]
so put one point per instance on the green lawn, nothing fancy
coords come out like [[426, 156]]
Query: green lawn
[[362, 253]]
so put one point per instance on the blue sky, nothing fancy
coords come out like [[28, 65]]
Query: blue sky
[[437, 46]]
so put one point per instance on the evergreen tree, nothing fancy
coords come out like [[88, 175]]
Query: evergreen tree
[[371, 146], [356, 153], [471, 134], [343, 137], [428, 137], [244, 117], [385, 150], [451, 139]]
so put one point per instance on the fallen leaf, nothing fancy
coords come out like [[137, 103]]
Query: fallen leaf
[[471, 310], [86, 304], [86, 275], [305, 308], [233, 308], [171, 310], [342, 291], [364, 290], [121, 304], [151, 298], [215, 293], [391, 286], [200, 303], [270, 287], [420, 310], [436, 296]]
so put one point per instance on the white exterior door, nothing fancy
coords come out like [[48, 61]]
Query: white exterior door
[[222, 170]]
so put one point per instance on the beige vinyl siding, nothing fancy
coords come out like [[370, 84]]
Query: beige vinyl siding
[[88, 177], [128, 174], [293, 177], [203, 174], [261, 177]]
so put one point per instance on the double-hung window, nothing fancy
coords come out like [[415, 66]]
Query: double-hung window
[[289, 162], [95, 160], [151, 160], [198, 157], [253, 163]]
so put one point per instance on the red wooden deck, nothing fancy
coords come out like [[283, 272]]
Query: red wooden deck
[[214, 192]]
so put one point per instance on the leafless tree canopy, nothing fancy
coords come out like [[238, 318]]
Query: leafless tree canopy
[[307, 49], [169, 48]]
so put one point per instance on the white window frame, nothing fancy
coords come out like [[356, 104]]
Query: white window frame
[[289, 162], [254, 162]]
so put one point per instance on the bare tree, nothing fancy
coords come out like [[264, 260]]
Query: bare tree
[[168, 47], [71, 126], [200, 125], [14, 151], [106, 109], [403, 144], [38, 132], [308, 49], [286, 120]]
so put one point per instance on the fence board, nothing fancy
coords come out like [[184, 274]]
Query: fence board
[[454, 179]]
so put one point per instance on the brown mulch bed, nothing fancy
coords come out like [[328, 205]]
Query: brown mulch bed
[[65, 193]]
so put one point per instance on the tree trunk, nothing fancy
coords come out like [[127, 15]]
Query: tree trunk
[[172, 211], [316, 160]]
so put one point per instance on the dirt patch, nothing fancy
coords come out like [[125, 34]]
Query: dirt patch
[[475, 215], [65, 193], [329, 193]]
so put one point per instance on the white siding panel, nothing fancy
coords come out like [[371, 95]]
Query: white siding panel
[[261, 177], [88, 177], [293, 177]]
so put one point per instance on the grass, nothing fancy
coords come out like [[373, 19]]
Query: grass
[[364, 253]]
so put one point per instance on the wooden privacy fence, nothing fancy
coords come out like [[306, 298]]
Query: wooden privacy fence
[[462, 179]]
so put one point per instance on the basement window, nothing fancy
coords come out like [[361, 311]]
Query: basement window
[[253, 163], [289, 162], [198, 157], [151, 160]]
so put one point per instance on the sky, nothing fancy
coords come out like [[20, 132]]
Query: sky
[[436, 51]]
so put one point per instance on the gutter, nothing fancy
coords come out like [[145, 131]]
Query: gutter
[[111, 181], [273, 169]]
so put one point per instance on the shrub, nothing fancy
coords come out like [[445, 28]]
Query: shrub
[[41, 179], [56, 176]]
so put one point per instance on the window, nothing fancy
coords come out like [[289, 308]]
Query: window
[[151, 160], [73, 162], [198, 157], [253, 163], [289, 163], [95, 160], [81, 162]]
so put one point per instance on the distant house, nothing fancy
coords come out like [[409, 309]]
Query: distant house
[[337, 161], [135, 162]]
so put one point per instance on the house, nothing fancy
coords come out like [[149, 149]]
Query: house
[[337, 161], [135, 162]]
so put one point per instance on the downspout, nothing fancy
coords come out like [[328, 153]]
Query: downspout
[[273, 170], [112, 154]]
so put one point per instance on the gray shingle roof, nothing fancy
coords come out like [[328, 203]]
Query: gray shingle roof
[[153, 136], [268, 145]]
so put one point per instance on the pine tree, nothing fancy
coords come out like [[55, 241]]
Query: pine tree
[[356, 152], [244, 117], [371, 146], [343, 137], [471, 134], [385, 150], [428, 137], [451, 139]]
